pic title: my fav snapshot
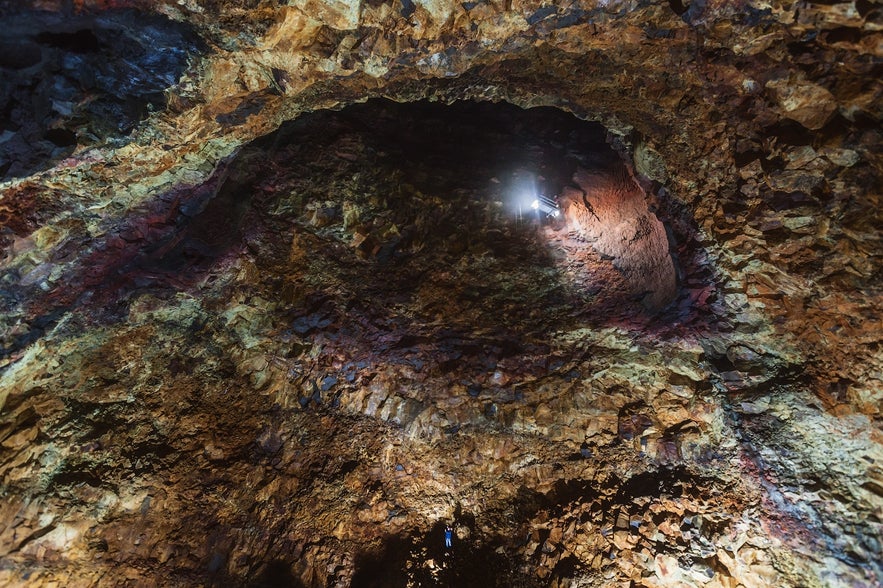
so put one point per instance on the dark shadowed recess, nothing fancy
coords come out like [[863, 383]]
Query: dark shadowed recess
[[395, 201], [403, 562], [385, 227], [388, 220], [277, 574], [69, 80], [387, 231], [478, 561]]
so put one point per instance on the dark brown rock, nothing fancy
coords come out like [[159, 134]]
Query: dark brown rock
[[232, 357]]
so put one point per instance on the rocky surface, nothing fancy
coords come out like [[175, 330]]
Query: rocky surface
[[237, 355], [81, 79]]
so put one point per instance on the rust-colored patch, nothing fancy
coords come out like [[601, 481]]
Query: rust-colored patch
[[27, 207]]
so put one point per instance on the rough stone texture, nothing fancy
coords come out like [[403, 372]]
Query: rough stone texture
[[206, 380], [609, 209]]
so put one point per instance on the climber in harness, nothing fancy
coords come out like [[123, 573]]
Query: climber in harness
[[449, 534]]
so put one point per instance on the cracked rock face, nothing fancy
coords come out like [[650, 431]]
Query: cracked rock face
[[288, 291]]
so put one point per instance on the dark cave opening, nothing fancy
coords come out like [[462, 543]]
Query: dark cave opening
[[399, 234], [519, 215], [406, 229], [423, 560], [403, 230], [500, 197]]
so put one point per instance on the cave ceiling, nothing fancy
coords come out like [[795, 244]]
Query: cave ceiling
[[289, 288]]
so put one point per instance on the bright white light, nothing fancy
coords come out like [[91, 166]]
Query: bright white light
[[525, 196], [546, 206]]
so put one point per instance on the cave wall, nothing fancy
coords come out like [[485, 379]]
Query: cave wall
[[755, 129]]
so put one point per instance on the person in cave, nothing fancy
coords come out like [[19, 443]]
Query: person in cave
[[449, 534]]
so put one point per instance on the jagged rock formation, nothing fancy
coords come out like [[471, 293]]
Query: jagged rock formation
[[231, 355]]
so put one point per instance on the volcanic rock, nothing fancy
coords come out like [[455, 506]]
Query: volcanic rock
[[288, 288]]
